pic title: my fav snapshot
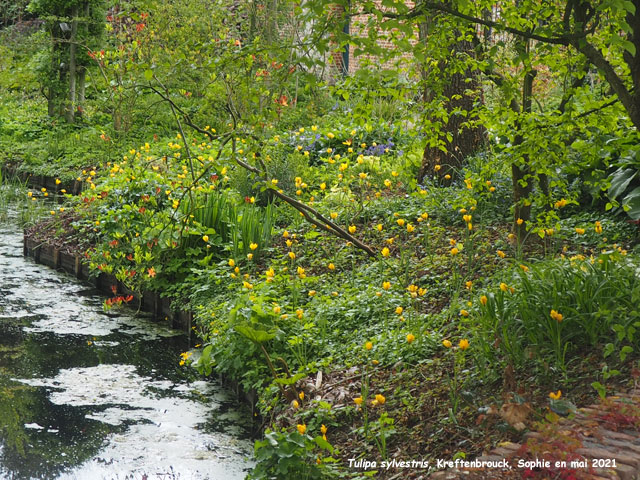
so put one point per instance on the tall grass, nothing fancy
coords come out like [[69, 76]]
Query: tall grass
[[219, 216], [15, 201], [557, 310]]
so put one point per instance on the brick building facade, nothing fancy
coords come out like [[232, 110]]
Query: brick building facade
[[346, 62]]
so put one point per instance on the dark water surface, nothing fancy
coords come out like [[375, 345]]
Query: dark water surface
[[90, 395]]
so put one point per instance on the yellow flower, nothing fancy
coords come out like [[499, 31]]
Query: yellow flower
[[247, 285], [387, 183], [410, 228], [446, 343], [437, 168], [323, 429], [394, 173], [386, 285], [560, 203], [464, 313], [295, 404], [299, 313], [519, 221], [333, 215], [580, 231], [524, 268], [312, 293], [447, 177], [352, 229], [464, 344], [357, 400], [598, 227], [288, 242], [253, 246], [331, 266], [468, 284], [385, 252], [555, 396], [362, 175], [300, 272], [277, 309], [368, 345], [399, 310], [379, 227], [380, 399], [410, 338], [556, 316], [454, 251], [492, 189], [483, 299], [400, 222], [292, 255], [503, 287], [302, 428], [285, 234], [250, 256], [501, 254], [467, 218], [301, 395]]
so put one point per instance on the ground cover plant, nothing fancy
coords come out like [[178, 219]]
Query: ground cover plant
[[381, 296]]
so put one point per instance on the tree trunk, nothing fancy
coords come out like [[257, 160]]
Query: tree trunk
[[82, 87], [73, 60], [51, 89], [461, 92]]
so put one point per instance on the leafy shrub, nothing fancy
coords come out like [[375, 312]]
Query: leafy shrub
[[285, 455]]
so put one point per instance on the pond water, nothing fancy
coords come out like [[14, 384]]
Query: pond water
[[86, 394]]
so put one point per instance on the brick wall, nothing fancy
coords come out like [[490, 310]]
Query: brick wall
[[359, 28]]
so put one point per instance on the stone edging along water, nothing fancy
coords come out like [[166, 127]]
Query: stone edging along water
[[151, 302], [41, 181]]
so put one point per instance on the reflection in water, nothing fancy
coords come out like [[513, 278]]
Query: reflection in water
[[86, 395]]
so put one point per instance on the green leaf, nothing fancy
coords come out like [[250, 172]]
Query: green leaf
[[620, 179], [256, 336], [629, 47], [632, 201], [626, 350], [148, 75], [322, 443], [290, 380], [602, 392]]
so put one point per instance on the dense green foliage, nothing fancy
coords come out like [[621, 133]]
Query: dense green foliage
[[231, 167]]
